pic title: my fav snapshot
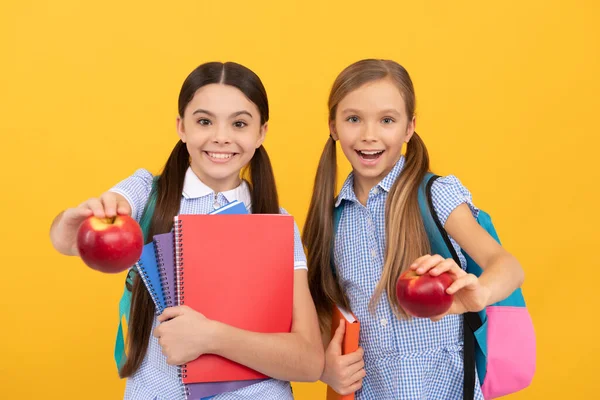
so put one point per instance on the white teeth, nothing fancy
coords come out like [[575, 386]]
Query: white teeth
[[370, 153], [220, 156]]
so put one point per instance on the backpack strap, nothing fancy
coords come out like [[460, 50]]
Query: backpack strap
[[125, 302], [337, 215], [471, 321]]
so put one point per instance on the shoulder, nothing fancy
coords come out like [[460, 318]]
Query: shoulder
[[447, 193]]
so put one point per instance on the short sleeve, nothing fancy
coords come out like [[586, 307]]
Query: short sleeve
[[447, 193], [299, 256], [136, 189]]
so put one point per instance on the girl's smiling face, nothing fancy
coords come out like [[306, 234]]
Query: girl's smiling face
[[372, 125], [222, 129]]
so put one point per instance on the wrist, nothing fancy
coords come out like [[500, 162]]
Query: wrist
[[487, 296], [215, 330]]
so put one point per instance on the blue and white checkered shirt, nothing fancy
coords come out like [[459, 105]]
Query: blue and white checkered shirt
[[155, 379], [408, 360]]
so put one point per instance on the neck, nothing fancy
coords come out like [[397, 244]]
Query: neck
[[362, 187], [218, 185]]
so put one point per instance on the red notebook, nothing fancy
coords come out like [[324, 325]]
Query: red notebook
[[237, 269], [349, 345]]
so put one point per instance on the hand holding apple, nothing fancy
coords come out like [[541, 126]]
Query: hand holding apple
[[110, 245], [63, 232], [466, 290], [425, 295]]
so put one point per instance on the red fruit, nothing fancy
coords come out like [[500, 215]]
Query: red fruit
[[110, 245], [424, 295]]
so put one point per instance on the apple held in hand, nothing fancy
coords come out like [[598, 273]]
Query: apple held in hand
[[110, 245], [425, 295]]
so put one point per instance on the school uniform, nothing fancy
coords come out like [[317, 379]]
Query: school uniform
[[155, 379], [413, 359]]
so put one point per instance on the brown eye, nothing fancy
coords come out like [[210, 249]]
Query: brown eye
[[204, 121], [240, 124], [353, 119]]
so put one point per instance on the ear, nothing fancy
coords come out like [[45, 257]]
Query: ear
[[333, 131], [181, 129], [410, 129], [262, 134]]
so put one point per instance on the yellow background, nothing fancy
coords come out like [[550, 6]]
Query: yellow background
[[507, 98]]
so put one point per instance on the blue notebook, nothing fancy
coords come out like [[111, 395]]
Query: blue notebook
[[235, 207], [148, 270]]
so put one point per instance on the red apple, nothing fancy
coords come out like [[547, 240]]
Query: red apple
[[424, 295], [110, 245]]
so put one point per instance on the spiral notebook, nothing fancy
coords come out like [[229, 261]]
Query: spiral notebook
[[166, 265], [157, 263], [165, 259], [241, 269], [148, 269]]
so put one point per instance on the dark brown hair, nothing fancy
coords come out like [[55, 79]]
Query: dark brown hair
[[169, 187], [406, 239]]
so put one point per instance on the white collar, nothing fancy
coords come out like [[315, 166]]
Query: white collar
[[194, 188]]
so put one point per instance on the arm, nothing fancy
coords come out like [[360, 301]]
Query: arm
[[502, 273], [294, 356]]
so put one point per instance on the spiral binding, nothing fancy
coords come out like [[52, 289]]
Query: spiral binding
[[140, 267], [178, 239], [163, 274], [186, 391]]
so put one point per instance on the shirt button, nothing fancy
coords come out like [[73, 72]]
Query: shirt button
[[373, 253], [376, 191], [383, 322], [216, 204]]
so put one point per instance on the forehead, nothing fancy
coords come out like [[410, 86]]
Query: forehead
[[221, 99], [382, 94]]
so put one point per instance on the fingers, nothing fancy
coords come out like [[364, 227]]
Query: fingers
[[359, 375], [335, 346], [353, 388], [355, 369], [108, 205], [75, 216], [462, 282], [170, 313], [96, 206], [353, 358], [426, 263], [419, 260], [109, 202], [115, 204], [123, 207], [444, 266]]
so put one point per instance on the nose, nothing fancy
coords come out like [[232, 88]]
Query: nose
[[368, 133], [221, 134]]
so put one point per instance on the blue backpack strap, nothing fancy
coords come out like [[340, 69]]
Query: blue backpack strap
[[125, 302], [440, 244], [337, 215]]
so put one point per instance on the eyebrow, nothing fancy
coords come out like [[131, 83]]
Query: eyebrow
[[388, 111], [235, 114]]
